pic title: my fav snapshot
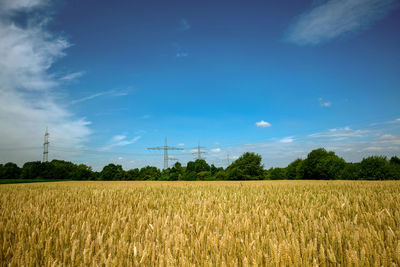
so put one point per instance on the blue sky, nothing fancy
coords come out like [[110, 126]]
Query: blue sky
[[277, 78]]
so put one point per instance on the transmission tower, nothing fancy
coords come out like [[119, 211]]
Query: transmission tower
[[227, 159], [46, 146], [199, 152], [165, 148]]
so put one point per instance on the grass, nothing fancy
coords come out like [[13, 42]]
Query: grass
[[267, 223], [19, 181]]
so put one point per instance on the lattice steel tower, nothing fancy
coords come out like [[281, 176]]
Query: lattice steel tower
[[46, 146], [165, 148], [199, 152]]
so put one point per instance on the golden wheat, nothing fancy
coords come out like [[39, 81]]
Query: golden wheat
[[267, 223]]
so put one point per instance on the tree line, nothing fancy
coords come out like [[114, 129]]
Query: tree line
[[319, 165]]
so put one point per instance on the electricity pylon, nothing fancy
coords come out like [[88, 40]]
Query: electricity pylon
[[46, 146], [199, 152], [165, 148]]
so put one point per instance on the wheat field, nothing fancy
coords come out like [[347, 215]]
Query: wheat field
[[260, 223]]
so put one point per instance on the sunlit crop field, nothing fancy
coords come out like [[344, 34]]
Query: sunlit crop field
[[266, 223]]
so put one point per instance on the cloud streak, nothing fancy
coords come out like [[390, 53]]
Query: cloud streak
[[120, 140], [336, 18], [96, 95], [72, 76]]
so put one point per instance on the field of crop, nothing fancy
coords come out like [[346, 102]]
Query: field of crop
[[265, 223]]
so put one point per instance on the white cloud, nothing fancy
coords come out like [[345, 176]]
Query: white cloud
[[323, 103], [181, 144], [86, 98], [7, 6], [340, 132], [387, 137], [216, 150], [373, 148], [263, 124], [72, 76], [335, 18], [110, 93], [120, 140], [27, 88], [289, 139], [184, 25]]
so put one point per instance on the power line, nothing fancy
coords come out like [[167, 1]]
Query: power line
[[165, 148], [95, 151]]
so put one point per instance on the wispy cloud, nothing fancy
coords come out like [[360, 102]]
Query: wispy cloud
[[181, 144], [340, 132], [121, 140], [184, 25], [289, 139], [215, 150], [118, 138], [263, 124], [335, 18], [325, 104], [72, 76], [109, 93], [27, 87], [86, 98], [389, 138]]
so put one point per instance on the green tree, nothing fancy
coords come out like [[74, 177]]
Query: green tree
[[176, 172], [133, 174], [351, 171], [300, 171], [394, 160], [10, 170], [166, 175], [112, 172], [197, 166], [203, 175], [149, 173], [213, 170], [321, 164], [63, 169], [31, 170], [246, 167], [221, 175], [375, 167], [330, 167], [81, 172], [278, 173], [291, 170], [393, 172]]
